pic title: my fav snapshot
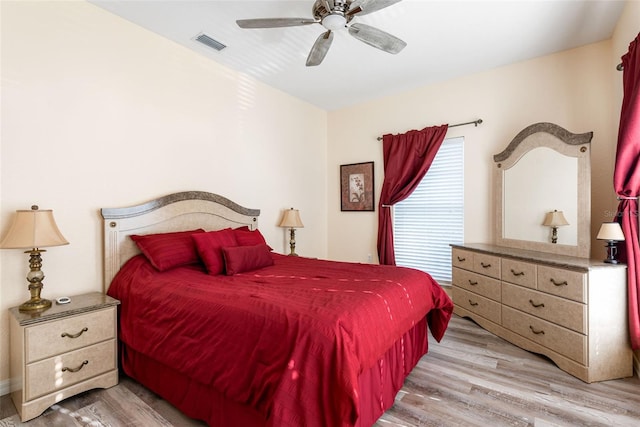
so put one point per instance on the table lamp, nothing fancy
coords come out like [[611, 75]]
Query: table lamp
[[612, 233], [291, 219], [34, 229]]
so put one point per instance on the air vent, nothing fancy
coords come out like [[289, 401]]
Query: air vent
[[212, 43]]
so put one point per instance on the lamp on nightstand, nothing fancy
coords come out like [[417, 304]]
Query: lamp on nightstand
[[34, 229], [291, 219], [612, 233], [554, 220]]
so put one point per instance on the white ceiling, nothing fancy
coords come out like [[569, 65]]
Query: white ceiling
[[446, 39]]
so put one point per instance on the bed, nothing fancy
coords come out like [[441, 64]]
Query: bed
[[238, 335]]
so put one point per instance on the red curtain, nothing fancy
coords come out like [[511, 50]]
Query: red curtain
[[626, 180], [407, 159]]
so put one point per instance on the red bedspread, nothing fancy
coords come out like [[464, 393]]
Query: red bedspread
[[289, 339]]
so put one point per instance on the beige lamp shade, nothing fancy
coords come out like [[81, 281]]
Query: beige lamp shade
[[555, 219], [291, 219], [33, 228], [610, 231]]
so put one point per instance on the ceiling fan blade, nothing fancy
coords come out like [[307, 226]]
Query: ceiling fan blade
[[364, 7], [377, 38], [320, 49], [274, 22]]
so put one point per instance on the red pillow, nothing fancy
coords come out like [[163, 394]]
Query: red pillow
[[246, 237], [239, 259], [209, 246], [168, 250]]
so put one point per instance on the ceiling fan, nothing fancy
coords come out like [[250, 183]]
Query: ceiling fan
[[334, 15]]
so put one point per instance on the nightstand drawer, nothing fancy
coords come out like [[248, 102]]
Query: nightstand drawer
[[67, 369], [60, 336]]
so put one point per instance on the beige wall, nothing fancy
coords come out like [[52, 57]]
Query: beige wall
[[571, 88], [97, 112]]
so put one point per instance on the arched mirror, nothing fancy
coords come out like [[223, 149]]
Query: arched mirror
[[543, 191]]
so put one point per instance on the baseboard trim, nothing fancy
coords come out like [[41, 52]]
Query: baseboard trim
[[5, 387]]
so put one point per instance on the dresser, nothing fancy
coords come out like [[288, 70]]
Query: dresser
[[65, 350], [572, 310]]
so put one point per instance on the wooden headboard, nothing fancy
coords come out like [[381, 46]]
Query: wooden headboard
[[174, 212]]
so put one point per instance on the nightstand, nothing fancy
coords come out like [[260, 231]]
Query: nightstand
[[63, 351]]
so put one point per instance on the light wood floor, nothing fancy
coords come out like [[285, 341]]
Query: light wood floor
[[471, 378]]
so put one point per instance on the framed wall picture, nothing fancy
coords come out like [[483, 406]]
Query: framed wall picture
[[357, 187]]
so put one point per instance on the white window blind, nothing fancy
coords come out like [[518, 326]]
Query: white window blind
[[432, 217]]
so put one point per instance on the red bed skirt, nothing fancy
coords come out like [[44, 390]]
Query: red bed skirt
[[378, 385]]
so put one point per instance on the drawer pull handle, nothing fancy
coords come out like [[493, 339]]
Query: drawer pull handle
[[536, 305], [86, 362], [538, 332], [472, 283], [563, 283], [64, 334], [485, 265], [472, 304], [517, 273], [462, 259]]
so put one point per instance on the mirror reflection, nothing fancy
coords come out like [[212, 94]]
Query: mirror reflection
[[542, 181]]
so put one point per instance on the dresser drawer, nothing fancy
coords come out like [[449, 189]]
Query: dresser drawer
[[568, 343], [60, 336], [518, 272], [564, 283], [486, 264], [462, 259], [477, 283], [569, 314], [62, 371], [480, 305]]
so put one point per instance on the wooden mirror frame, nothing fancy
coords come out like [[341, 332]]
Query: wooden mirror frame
[[561, 140]]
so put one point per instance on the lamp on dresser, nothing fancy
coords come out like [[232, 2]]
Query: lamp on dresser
[[32, 230], [612, 233], [554, 220], [291, 220]]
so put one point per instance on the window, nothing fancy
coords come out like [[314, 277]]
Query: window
[[432, 217]]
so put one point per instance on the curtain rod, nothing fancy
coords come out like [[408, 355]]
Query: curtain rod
[[475, 122]]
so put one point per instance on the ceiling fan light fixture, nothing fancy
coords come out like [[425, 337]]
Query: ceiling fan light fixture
[[334, 21], [334, 15]]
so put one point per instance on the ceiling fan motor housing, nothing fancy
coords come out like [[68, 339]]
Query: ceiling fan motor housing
[[332, 19]]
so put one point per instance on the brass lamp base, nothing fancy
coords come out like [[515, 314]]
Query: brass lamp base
[[35, 304], [34, 277]]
